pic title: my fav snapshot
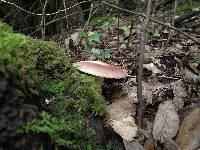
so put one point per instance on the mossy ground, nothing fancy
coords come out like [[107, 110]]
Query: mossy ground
[[33, 72]]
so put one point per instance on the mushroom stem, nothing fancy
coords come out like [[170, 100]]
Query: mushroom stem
[[99, 81]]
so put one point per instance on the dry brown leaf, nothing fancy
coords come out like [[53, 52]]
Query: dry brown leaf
[[133, 145], [166, 122], [120, 113], [189, 134], [178, 102], [126, 128], [153, 68], [149, 88], [194, 66], [149, 144], [179, 93], [120, 109], [179, 46], [170, 145], [179, 88], [194, 48], [188, 75]]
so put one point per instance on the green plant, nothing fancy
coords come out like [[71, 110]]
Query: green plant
[[104, 22], [95, 37], [98, 52], [126, 30], [156, 34]]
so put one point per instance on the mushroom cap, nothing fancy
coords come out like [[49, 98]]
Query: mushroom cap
[[101, 69]]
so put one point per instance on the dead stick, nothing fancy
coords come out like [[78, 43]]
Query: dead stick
[[140, 98], [129, 37], [170, 33]]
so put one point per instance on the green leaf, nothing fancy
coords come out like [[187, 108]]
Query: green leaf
[[168, 24], [96, 21], [95, 37], [156, 34], [105, 54], [105, 24], [87, 49], [96, 51], [199, 60], [93, 50], [112, 20], [126, 30]]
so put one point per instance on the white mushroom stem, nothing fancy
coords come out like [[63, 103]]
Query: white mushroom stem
[[99, 81]]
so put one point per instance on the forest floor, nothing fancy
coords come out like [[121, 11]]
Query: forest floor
[[170, 81]]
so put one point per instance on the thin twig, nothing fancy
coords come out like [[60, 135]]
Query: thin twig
[[156, 21], [141, 101], [129, 37], [88, 20], [118, 46], [170, 32], [61, 18]]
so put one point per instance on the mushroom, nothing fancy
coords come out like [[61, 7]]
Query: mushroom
[[101, 70]]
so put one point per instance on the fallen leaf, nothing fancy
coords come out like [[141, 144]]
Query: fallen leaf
[[149, 144], [153, 68], [188, 75], [126, 128], [179, 93], [94, 37], [179, 46], [149, 88], [170, 145], [133, 145], [179, 88], [120, 109], [166, 123], [189, 134], [120, 113]]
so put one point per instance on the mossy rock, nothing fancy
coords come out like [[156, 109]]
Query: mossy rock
[[44, 99]]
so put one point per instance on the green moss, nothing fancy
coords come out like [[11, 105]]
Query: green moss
[[40, 71]]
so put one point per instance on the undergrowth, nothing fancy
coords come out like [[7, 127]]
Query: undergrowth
[[46, 98]]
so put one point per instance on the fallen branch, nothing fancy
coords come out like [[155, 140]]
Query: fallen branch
[[186, 16], [158, 22]]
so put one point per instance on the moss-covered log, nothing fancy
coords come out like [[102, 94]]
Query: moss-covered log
[[44, 99]]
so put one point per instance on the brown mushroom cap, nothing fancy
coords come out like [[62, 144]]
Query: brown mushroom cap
[[101, 69]]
